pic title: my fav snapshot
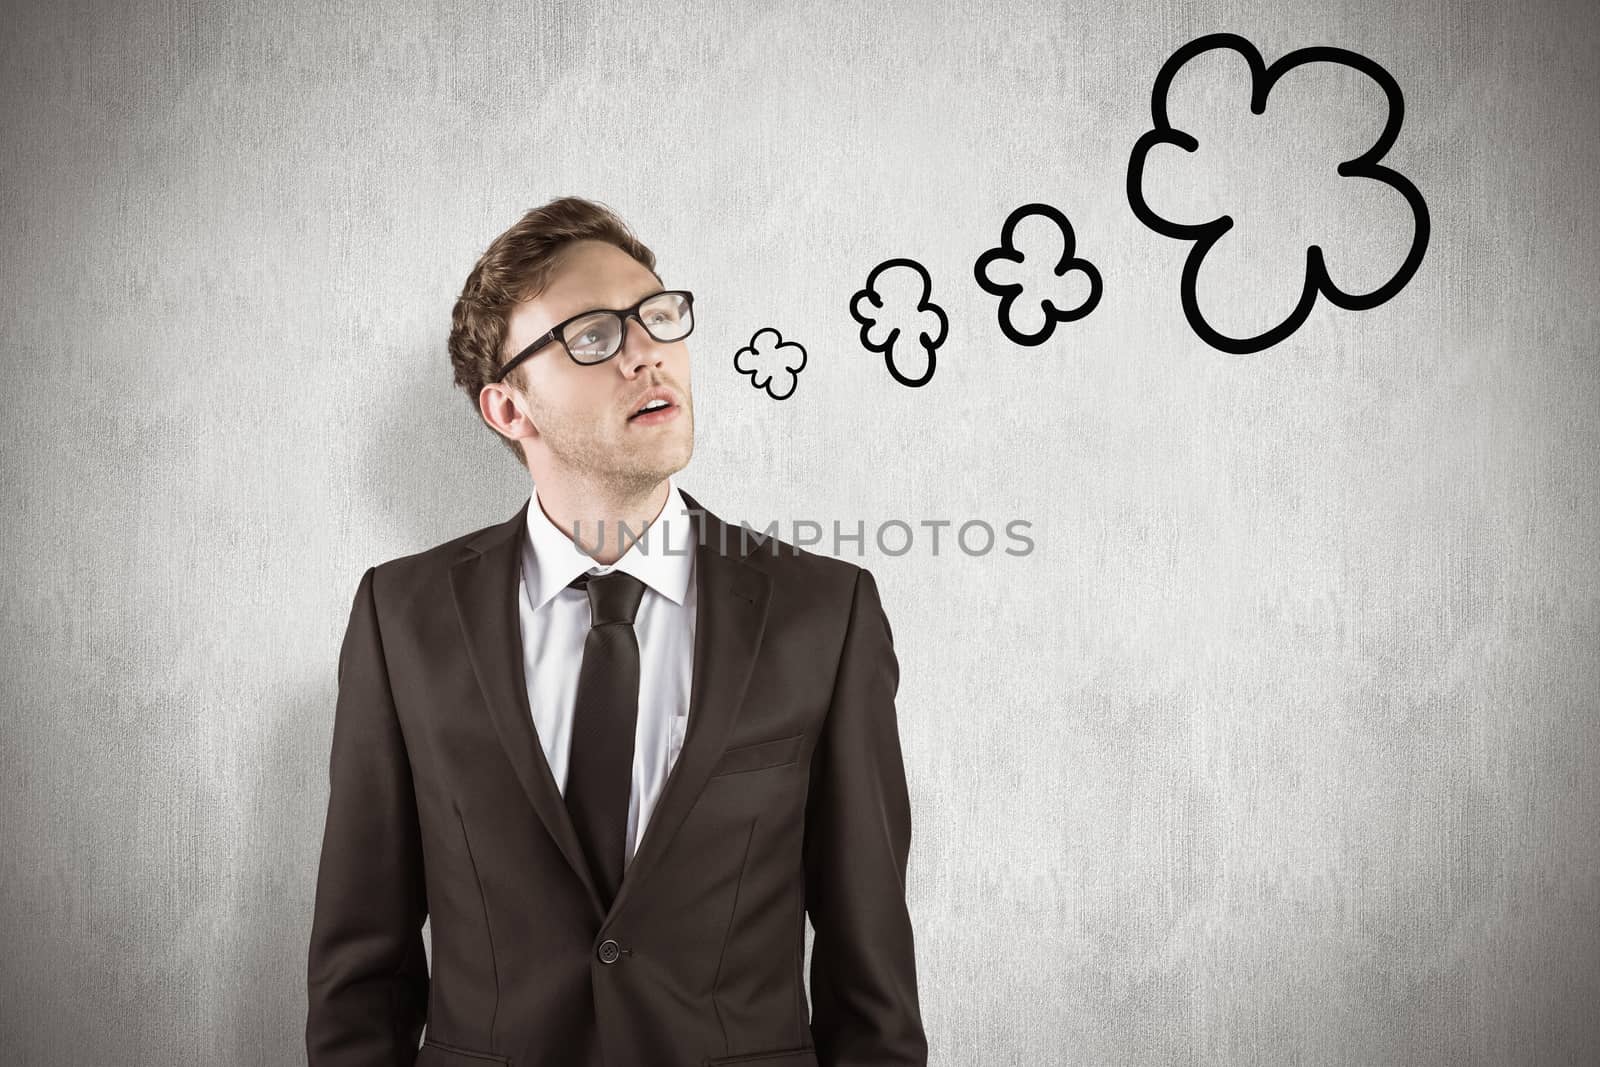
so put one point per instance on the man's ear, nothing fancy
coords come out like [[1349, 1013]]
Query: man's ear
[[518, 397], [499, 397], [527, 415]]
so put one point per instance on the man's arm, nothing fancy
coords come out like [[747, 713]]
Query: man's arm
[[858, 835], [367, 974]]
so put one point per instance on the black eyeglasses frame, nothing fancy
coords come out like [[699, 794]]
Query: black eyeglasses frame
[[555, 332]]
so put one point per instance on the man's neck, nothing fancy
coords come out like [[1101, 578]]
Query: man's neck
[[603, 523]]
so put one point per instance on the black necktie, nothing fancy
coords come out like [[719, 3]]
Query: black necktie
[[604, 714]]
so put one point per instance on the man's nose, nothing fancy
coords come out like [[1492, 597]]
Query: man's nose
[[639, 349]]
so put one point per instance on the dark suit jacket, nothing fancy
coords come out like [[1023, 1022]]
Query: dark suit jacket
[[788, 797]]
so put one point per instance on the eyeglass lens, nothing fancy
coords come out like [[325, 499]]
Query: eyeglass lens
[[666, 316]]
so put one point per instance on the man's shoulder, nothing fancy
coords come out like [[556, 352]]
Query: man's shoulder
[[805, 575], [762, 547], [799, 562], [818, 597]]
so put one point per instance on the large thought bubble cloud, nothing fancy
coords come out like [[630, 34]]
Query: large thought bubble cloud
[[1344, 174]]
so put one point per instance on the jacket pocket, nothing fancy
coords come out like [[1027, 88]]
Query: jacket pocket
[[759, 756], [793, 1057], [435, 1054]]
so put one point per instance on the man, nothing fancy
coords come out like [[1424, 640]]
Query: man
[[612, 748]]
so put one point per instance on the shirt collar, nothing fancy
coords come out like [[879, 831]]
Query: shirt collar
[[661, 558]]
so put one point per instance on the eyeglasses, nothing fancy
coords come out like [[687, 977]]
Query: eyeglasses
[[592, 337]]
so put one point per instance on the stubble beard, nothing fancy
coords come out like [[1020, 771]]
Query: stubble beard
[[605, 461]]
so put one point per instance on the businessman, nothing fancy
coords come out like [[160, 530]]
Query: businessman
[[612, 748]]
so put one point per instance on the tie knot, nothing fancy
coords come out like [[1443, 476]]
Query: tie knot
[[613, 597]]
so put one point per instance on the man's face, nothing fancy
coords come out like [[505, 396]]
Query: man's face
[[580, 414]]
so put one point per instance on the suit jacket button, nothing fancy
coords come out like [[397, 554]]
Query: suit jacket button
[[609, 951]]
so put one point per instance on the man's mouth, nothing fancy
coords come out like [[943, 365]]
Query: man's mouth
[[656, 405], [652, 406]]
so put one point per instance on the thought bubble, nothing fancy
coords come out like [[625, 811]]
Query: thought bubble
[[1312, 149], [887, 319], [998, 269], [771, 363]]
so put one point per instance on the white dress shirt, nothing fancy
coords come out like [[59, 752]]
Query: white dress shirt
[[555, 624]]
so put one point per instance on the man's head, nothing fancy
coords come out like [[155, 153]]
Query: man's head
[[572, 421]]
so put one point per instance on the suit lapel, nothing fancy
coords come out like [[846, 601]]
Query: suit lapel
[[730, 615], [484, 583], [731, 611]]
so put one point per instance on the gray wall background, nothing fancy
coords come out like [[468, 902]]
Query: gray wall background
[[1281, 748]]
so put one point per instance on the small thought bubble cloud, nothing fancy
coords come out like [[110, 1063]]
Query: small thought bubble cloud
[[1282, 203], [771, 363], [899, 320], [1070, 292]]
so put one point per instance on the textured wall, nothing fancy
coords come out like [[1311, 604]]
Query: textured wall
[[1280, 748]]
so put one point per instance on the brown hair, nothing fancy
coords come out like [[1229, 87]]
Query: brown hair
[[517, 266]]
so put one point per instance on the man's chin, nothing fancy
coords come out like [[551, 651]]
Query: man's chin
[[668, 467], [667, 457], [656, 465]]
